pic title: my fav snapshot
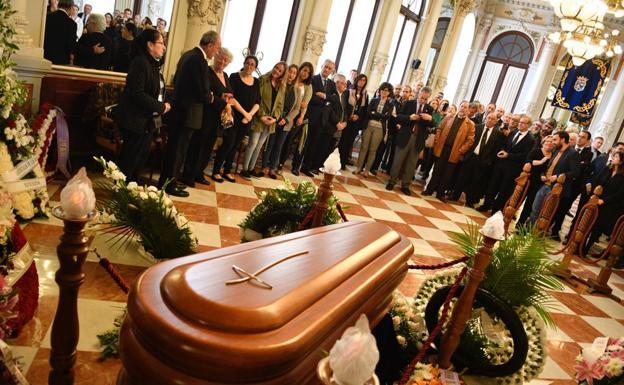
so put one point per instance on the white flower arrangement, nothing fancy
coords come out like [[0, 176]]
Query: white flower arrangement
[[405, 310]]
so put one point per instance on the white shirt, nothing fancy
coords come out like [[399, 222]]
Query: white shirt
[[80, 27], [203, 52], [519, 136], [483, 139]]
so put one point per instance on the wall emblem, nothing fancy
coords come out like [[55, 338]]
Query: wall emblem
[[580, 83]]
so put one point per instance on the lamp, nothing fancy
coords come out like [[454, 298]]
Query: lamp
[[573, 13]]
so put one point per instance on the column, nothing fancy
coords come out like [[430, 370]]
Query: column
[[483, 29], [31, 66], [533, 96], [460, 10], [381, 56], [606, 124], [314, 38], [426, 34], [203, 16]]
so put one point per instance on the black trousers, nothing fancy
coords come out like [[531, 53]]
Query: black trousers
[[175, 153], [345, 146], [469, 172], [528, 203], [311, 148], [291, 146], [198, 157], [388, 156], [325, 145], [442, 173], [134, 153], [501, 186], [565, 203], [232, 138]]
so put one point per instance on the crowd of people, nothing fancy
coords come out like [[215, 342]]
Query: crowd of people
[[93, 40], [471, 150]]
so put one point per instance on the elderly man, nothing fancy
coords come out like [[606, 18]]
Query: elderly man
[[60, 34], [95, 49], [453, 139], [191, 97]]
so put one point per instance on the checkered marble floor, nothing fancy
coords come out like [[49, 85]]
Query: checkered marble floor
[[215, 211]]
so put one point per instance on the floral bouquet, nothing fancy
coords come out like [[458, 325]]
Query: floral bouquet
[[602, 363], [428, 374], [10, 372], [144, 213]]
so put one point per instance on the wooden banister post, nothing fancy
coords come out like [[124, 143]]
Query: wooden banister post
[[463, 307], [516, 198], [71, 252], [549, 206], [323, 195], [583, 227], [615, 251]]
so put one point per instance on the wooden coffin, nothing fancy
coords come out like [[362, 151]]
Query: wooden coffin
[[186, 326]]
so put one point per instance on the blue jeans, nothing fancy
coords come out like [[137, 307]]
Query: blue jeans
[[537, 203], [273, 151]]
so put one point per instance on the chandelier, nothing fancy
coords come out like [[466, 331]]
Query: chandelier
[[573, 13], [615, 6], [588, 41]]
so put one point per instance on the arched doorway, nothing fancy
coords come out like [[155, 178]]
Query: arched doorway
[[504, 70]]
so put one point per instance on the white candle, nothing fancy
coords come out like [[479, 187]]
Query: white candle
[[78, 197], [332, 163]]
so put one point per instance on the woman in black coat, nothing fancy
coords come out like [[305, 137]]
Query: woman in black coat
[[611, 203], [142, 104]]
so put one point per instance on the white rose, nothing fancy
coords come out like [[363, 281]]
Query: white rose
[[143, 195], [132, 186], [614, 367], [152, 188], [167, 201], [153, 195], [401, 340], [396, 320]]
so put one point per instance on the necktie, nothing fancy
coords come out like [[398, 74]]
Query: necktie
[[483, 140], [417, 112], [515, 139], [341, 108]]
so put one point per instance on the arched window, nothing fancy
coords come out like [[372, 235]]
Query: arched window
[[504, 69], [260, 25], [348, 33], [403, 40], [436, 46]]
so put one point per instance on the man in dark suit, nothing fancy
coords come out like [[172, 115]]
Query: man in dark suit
[[191, 96], [85, 14], [340, 113], [453, 139], [318, 113], [385, 152], [60, 35], [415, 120], [479, 161], [565, 160], [508, 166], [583, 148], [595, 147]]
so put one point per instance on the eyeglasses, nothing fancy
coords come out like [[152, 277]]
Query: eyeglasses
[[160, 42]]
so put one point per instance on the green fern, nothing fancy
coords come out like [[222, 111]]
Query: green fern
[[520, 272]]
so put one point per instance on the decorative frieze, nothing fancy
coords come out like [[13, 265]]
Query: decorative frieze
[[206, 11]]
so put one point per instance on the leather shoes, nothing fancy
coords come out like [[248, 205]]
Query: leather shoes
[[203, 181], [295, 172], [426, 193], [181, 185], [390, 186], [442, 198], [176, 192], [406, 191], [316, 172], [483, 208], [308, 173]]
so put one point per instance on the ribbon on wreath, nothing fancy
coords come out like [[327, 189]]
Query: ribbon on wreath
[[13, 182], [62, 143]]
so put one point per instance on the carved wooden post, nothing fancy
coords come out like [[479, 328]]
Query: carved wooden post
[[516, 198], [583, 226], [549, 206], [463, 307], [71, 252], [615, 252], [323, 195]]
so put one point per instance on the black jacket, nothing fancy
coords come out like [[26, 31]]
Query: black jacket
[[191, 83], [568, 164], [585, 159], [319, 109], [489, 149], [517, 152], [139, 101], [85, 57], [421, 127], [385, 114], [338, 110], [60, 37]]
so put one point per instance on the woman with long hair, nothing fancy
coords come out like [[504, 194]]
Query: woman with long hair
[[271, 105], [358, 98], [378, 112], [611, 202], [142, 103], [539, 158]]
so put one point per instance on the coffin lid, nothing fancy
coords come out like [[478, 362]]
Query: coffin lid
[[197, 290]]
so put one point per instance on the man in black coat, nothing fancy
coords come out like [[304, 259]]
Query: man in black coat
[[583, 148], [191, 96], [318, 113], [563, 161], [337, 120], [60, 35], [508, 166], [479, 161], [415, 120]]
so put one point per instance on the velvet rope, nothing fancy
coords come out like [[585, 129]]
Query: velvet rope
[[439, 265], [308, 218], [432, 336], [342, 214], [110, 269]]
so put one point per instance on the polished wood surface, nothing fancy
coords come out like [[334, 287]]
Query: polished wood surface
[[322, 196], [517, 196], [615, 251], [186, 326], [549, 206]]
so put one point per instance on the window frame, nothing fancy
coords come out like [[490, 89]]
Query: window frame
[[416, 18]]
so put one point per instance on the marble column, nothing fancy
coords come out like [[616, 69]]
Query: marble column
[[314, 38], [426, 34], [460, 10], [607, 123], [483, 29], [534, 94], [381, 56], [31, 67]]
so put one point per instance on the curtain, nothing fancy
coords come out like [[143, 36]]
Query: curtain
[[488, 81], [510, 88]]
